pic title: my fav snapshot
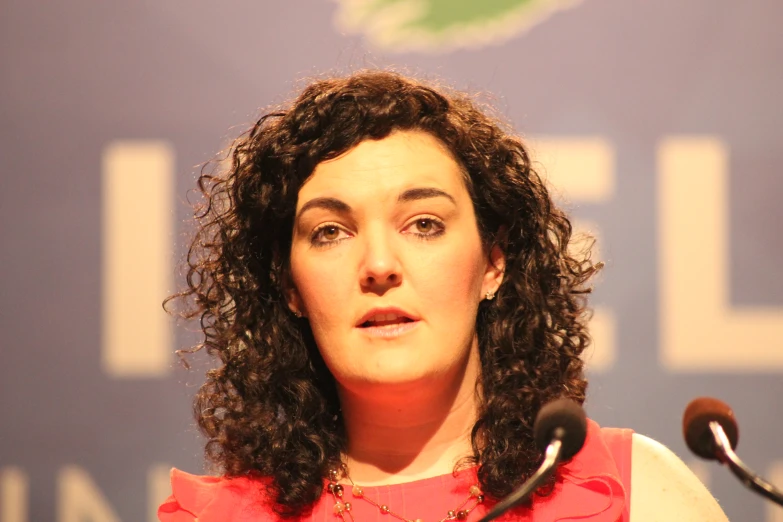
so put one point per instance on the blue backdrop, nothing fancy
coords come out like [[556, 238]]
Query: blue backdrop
[[659, 123]]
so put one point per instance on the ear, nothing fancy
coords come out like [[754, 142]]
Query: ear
[[295, 304], [292, 297], [496, 269]]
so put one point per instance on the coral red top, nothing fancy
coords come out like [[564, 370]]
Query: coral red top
[[594, 485]]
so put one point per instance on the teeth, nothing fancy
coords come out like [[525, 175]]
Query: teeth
[[384, 317]]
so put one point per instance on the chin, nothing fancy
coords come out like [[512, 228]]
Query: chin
[[400, 372], [389, 388]]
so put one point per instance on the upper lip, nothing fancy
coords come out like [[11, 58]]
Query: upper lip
[[386, 310]]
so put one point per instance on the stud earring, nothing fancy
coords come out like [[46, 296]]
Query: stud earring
[[489, 295]]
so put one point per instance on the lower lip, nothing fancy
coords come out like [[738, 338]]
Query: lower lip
[[389, 331]]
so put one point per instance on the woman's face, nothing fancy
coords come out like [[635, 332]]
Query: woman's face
[[387, 263]]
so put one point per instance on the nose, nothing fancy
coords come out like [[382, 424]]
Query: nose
[[380, 265]]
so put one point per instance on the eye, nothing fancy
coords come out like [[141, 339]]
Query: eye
[[328, 233], [425, 227]]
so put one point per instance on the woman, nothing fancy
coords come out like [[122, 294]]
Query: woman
[[390, 292]]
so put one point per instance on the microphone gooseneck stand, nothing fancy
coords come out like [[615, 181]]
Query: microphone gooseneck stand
[[551, 458], [559, 431], [752, 481]]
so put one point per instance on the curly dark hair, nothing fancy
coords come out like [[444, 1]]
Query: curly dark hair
[[271, 408]]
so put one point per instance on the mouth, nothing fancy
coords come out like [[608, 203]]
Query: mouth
[[387, 323], [385, 320]]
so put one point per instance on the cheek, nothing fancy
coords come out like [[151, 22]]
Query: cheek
[[321, 285], [452, 281], [324, 286]]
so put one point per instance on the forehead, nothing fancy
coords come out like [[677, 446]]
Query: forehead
[[381, 169]]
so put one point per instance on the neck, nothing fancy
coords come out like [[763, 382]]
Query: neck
[[413, 432]]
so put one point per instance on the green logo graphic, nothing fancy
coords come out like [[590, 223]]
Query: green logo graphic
[[442, 25]]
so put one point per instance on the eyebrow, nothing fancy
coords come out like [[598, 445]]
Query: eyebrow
[[337, 205], [415, 194], [333, 204]]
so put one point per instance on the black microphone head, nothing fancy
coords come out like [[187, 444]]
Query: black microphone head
[[696, 426], [569, 417]]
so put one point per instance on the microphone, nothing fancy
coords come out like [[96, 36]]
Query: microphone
[[559, 431], [711, 432]]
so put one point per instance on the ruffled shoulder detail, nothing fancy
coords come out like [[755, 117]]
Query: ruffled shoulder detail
[[589, 486], [198, 498]]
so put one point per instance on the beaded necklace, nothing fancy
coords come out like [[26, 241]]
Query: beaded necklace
[[343, 508]]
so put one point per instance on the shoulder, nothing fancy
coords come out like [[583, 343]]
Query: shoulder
[[664, 488], [212, 499]]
